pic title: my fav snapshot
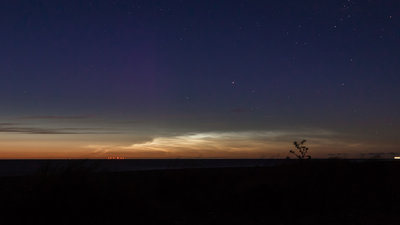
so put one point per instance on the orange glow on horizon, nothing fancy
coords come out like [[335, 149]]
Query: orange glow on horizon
[[246, 144]]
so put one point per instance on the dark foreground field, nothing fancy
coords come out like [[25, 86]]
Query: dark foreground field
[[312, 192]]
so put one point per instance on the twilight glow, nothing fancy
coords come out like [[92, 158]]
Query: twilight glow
[[199, 79]]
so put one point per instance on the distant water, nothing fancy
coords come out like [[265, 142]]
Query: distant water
[[28, 167]]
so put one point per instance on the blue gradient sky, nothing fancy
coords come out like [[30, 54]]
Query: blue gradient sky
[[145, 79]]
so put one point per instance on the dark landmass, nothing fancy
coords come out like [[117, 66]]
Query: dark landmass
[[291, 192]]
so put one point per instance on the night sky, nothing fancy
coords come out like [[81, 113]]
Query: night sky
[[202, 79]]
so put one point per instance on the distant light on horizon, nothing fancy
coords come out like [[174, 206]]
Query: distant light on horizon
[[116, 157]]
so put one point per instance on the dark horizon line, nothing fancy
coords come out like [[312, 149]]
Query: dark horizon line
[[291, 159]]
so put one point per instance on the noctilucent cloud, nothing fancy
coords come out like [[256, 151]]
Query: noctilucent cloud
[[207, 79]]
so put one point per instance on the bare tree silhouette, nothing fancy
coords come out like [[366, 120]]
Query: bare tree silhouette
[[301, 150]]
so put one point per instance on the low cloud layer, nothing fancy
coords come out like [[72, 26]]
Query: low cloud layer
[[23, 129]]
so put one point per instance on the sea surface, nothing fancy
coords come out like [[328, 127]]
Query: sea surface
[[30, 167]]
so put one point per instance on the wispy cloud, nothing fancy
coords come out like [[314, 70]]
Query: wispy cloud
[[17, 128], [216, 144], [58, 117]]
